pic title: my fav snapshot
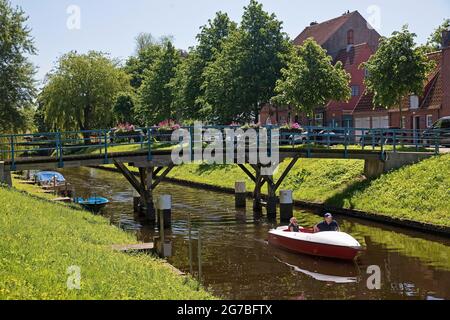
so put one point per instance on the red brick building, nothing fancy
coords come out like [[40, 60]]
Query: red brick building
[[418, 112], [349, 39]]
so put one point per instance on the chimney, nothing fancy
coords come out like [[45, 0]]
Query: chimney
[[445, 38]]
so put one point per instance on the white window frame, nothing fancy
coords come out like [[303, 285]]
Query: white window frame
[[414, 102], [429, 120], [355, 88]]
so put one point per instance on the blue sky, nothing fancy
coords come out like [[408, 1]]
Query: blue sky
[[112, 25]]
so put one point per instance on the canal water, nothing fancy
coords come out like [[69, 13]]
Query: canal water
[[237, 262]]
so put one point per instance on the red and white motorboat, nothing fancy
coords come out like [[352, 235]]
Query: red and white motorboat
[[329, 244]]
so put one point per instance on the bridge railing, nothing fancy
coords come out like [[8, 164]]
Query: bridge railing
[[58, 145]]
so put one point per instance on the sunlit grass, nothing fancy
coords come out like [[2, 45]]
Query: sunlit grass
[[40, 240]]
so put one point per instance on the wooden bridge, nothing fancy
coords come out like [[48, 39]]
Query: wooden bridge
[[150, 151]]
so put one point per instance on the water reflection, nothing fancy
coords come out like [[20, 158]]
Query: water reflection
[[239, 264]]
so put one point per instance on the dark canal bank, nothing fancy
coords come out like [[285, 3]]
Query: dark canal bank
[[238, 263]]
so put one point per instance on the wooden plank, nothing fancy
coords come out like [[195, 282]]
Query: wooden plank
[[162, 176], [129, 176], [249, 174], [286, 171], [62, 199], [133, 247]]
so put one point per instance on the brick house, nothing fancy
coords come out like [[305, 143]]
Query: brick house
[[349, 39], [418, 112]]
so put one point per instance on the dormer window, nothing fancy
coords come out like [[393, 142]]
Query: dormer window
[[350, 37]]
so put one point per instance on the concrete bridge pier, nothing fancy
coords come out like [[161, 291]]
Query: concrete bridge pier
[[374, 168], [5, 175]]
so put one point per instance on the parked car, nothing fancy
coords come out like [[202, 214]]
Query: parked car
[[331, 137], [438, 132], [386, 136]]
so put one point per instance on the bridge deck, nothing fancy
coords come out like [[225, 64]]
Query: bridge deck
[[163, 158]]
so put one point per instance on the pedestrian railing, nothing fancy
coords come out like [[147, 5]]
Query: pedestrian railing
[[57, 145]]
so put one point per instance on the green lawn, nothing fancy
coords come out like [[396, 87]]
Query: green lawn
[[41, 240]]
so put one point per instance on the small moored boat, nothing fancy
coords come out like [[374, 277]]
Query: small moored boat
[[94, 204], [330, 244], [48, 178]]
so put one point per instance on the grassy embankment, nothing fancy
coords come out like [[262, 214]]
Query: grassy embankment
[[40, 240]]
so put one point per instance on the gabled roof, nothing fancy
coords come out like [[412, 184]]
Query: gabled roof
[[321, 32], [431, 97], [348, 56]]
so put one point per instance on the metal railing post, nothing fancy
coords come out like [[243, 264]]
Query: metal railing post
[[308, 141], [346, 141], [191, 146], [269, 137], [394, 141], [13, 161], [436, 143], [59, 150], [105, 141], [149, 144]]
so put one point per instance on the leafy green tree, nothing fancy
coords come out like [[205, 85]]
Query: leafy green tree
[[244, 73], [187, 84], [435, 40], [80, 93], [17, 87], [123, 109], [155, 94], [311, 80], [399, 68], [148, 49]]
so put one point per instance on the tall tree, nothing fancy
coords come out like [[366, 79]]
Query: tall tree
[[311, 80], [17, 87], [148, 49], [399, 68], [435, 40], [81, 91], [244, 74], [156, 96], [187, 84], [123, 108]]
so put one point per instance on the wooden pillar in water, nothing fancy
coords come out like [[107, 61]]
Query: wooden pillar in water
[[240, 194], [257, 207], [271, 207], [286, 205], [146, 175], [5, 175]]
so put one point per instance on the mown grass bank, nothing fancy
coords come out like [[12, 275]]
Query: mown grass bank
[[419, 192], [41, 240]]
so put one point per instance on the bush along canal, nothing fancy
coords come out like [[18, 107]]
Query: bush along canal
[[237, 262]]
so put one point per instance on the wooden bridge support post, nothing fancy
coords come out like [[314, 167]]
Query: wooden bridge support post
[[257, 206], [286, 205], [240, 194], [146, 177], [164, 208], [271, 207], [5, 175]]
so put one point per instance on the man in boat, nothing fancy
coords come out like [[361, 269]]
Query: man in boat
[[328, 224], [293, 225]]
